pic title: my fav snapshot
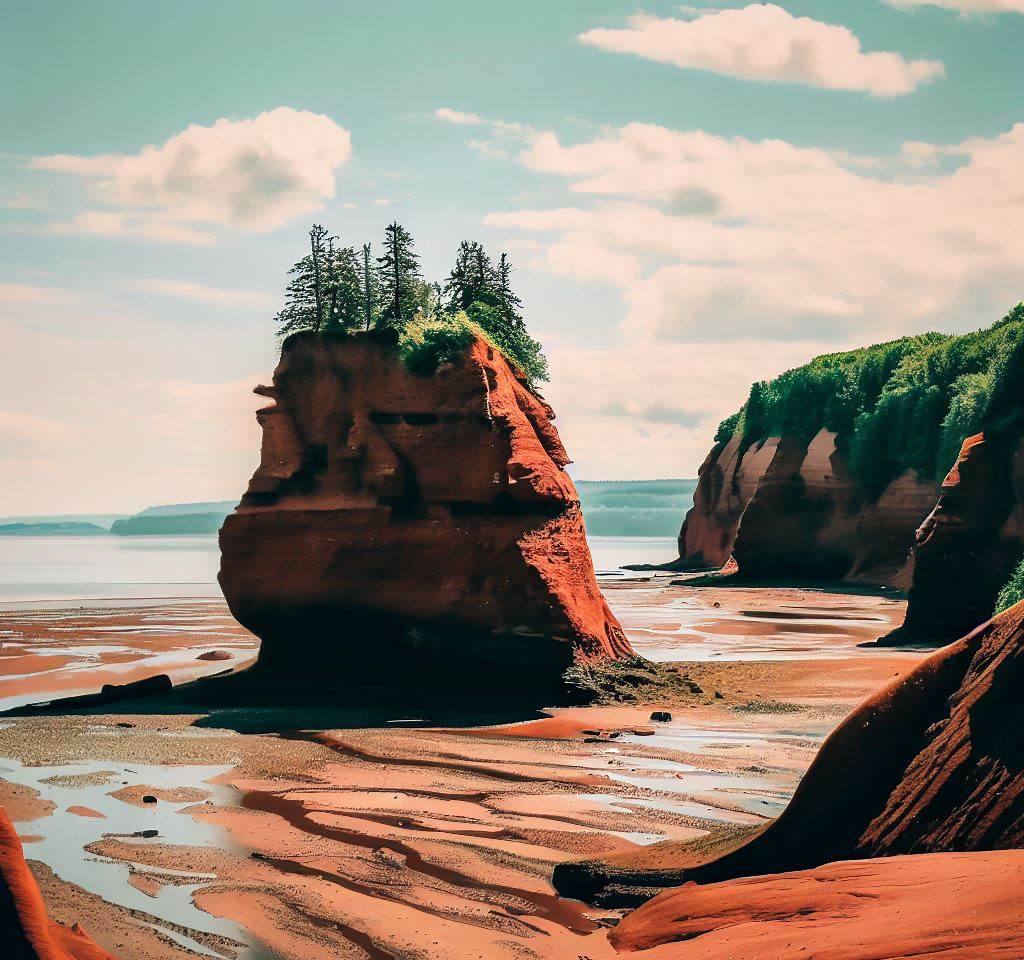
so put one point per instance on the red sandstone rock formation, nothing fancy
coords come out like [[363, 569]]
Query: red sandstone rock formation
[[969, 544], [958, 906], [389, 504], [26, 933], [789, 508], [727, 481]]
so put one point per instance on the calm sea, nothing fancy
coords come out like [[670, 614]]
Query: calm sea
[[102, 568]]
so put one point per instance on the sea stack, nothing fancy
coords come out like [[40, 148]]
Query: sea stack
[[969, 544], [419, 525]]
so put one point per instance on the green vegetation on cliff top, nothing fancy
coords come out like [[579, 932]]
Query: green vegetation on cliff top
[[1013, 590], [334, 288], [907, 404]]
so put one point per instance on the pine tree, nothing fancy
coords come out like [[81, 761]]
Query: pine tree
[[508, 302], [472, 279], [399, 272], [369, 289], [304, 297], [343, 289]]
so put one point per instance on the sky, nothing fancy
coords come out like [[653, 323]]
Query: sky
[[694, 197]]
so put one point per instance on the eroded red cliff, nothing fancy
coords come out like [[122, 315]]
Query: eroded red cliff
[[969, 544], [789, 507], [412, 520], [26, 932]]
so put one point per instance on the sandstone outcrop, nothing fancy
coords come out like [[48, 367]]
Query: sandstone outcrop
[[932, 764], [26, 932], [413, 522], [789, 507], [969, 544], [958, 906]]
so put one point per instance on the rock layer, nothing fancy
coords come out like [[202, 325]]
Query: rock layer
[[789, 507], [958, 906], [26, 932], [969, 544], [412, 521]]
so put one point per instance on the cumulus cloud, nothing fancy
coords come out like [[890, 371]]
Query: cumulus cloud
[[765, 42], [965, 6], [458, 116], [730, 237], [252, 174], [656, 435]]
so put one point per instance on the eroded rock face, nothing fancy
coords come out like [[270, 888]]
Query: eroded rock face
[[969, 544], [727, 480], [415, 521], [26, 932], [789, 507], [960, 906]]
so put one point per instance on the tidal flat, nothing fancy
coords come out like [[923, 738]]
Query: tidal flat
[[167, 836]]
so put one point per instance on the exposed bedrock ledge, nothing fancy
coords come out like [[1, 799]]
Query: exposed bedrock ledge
[[969, 544], [414, 523], [788, 507], [932, 764]]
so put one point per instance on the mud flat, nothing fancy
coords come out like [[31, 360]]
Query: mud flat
[[409, 840]]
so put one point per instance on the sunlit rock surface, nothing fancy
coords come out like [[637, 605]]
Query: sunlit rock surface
[[423, 525]]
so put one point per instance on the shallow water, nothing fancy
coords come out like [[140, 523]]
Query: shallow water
[[65, 835], [40, 569]]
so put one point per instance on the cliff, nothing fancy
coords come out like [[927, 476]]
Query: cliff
[[412, 523], [969, 544], [26, 933], [789, 507], [932, 764], [829, 470]]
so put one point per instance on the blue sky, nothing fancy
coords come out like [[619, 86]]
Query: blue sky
[[695, 197]]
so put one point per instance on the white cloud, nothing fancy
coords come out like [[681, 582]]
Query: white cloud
[[583, 259], [187, 290], [458, 116], [252, 174], [765, 42], [382, 202], [735, 238], [656, 433], [25, 293], [965, 6]]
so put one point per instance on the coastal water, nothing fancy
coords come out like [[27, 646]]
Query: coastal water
[[40, 569]]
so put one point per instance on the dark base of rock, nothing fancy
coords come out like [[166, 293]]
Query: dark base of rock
[[628, 880]]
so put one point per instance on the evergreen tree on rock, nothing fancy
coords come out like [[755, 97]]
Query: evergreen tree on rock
[[399, 273]]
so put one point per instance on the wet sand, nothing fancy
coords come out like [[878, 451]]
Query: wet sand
[[413, 842]]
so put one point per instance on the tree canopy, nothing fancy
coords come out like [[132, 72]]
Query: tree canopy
[[906, 404], [335, 288]]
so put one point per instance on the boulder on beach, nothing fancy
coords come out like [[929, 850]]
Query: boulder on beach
[[412, 526], [26, 932]]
